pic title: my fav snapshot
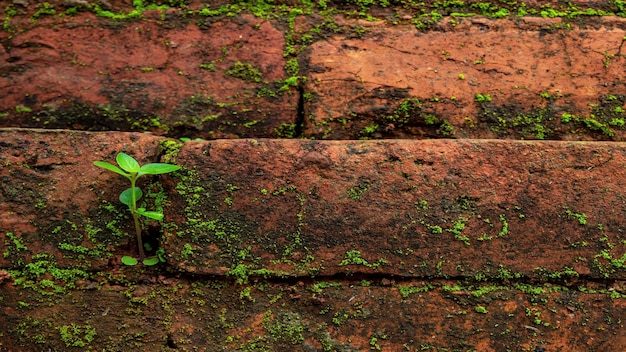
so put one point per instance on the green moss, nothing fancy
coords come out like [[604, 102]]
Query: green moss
[[187, 251], [482, 98], [534, 124], [98, 251], [228, 10], [286, 130], [406, 291], [505, 226], [596, 125], [484, 237], [74, 335], [580, 217], [445, 129], [115, 16], [457, 230], [369, 130], [405, 110], [356, 192], [319, 286], [286, 328], [9, 11], [242, 272], [412, 112], [208, 66], [44, 276], [71, 11], [535, 314], [505, 274], [466, 203], [245, 71], [228, 230], [292, 68], [353, 257], [20, 109], [434, 229], [13, 244], [33, 330], [565, 275], [604, 117], [170, 149], [43, 9], [481, 309], [607, 264], [421, 205]]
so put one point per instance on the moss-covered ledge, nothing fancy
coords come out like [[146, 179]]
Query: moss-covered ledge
[[288, 244], [298, 208]]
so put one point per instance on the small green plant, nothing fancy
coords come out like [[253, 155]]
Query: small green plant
[[130, 168]]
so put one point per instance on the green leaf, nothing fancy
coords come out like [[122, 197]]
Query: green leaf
[[126, 196], [150, 214], [151, 261], [127, 163], [110, 167], [129, 260], [161, 254], [157, 168]]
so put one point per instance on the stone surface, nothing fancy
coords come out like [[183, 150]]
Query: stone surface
[[461, 208], [174, 314], [165, 77], [51, 195], [420, 71], [305, 245], [448, 70], [300, 208]]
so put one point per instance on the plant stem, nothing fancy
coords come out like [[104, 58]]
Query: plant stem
[[133, 210], [138, 231]]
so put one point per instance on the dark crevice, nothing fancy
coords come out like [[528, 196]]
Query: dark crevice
[[151, 238], [388, 279], [171, 343], [380, 279], [299, 129]]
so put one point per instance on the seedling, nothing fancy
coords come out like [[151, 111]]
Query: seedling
[[130, 168]]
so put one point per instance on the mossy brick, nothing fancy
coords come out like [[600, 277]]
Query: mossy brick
[[468, 208]]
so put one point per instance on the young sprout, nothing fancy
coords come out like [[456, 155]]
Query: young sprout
[[130, 168]]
